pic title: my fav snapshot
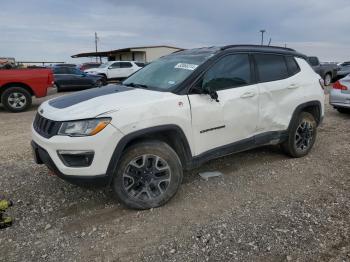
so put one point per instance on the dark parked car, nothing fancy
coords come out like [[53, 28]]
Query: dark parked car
[[343, 70], [85, 66], [65, 65], [71, 78], [327, 71]]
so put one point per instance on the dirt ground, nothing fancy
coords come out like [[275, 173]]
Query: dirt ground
[[266, 207]]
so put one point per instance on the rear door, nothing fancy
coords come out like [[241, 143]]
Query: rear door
[[280, 90], [235, 115], [62, 77]]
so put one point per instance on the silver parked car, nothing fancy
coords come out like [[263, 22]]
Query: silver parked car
[[339, 96]]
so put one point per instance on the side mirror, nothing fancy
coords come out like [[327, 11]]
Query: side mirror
[[212, 93], [110, 67]]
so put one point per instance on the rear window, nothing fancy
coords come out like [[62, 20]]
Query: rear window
[[292, 65], [140, 64], [271, 67]]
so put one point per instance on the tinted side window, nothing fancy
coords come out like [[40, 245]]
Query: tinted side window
[[73, 71], [125, 65], [271, 67], [231, 71], [313, 61], [59, 70], [115, 65], [292, 65]]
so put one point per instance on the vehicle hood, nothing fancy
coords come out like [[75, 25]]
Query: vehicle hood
[[95, 70], [97, 102]]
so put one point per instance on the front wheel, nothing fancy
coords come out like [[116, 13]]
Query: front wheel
[[302, 136], [16, 99], [327, 79], [99, 83], [148, 175]]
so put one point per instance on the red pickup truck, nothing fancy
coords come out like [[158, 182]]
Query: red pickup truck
[[17, 86]]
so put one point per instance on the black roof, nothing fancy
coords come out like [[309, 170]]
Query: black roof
[[250, 48]]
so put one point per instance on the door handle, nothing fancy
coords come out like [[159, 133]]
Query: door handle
[[293, 86], [248, 94]]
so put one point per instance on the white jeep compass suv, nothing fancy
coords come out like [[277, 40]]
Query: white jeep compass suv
[[176, 113]]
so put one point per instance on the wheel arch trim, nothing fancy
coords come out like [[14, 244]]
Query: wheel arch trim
[[186, 158], [311, 104]]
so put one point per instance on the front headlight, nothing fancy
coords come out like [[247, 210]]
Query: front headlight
[[88, 127]]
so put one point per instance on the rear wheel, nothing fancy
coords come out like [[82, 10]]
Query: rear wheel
[[16, 99], [148, 175], [343, 110], [58, 88], [302, 136]]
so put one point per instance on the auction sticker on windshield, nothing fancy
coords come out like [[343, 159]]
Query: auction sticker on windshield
[[186, 66]]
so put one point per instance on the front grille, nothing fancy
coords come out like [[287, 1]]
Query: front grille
[[45, 127]]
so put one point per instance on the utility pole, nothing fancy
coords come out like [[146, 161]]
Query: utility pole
[[96, 39], [262, 31]]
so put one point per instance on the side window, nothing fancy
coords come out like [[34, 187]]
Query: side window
[[72, 71], [271, 67], [231, 71], [115, 65], [58, 71], [292, 65], [125, 65], [313, 61]]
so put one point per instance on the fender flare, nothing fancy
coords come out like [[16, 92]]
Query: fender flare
[[300, 108], [113, 163]]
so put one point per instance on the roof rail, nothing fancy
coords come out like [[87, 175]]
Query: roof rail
[[261, 46]]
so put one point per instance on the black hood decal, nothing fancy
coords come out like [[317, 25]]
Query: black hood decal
[[76, 98]]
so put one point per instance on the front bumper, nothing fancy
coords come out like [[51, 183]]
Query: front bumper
[[41, 156], [103, 144]]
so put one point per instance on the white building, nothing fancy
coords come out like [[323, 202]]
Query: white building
[[144, 54]]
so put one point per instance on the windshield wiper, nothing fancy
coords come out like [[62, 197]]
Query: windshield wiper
[[137, 85]]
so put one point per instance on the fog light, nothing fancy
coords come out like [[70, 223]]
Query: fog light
[[76, 158]]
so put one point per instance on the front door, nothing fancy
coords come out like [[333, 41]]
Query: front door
[[114, 70], [234, 116]]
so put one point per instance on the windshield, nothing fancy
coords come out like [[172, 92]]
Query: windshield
[[103, 65], [167, 72]]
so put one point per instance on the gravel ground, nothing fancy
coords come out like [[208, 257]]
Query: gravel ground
[[266, 207]]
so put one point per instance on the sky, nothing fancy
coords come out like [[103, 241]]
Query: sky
[[53, 30]]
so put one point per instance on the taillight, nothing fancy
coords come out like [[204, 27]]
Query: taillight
[[321, 81], [338, 85]]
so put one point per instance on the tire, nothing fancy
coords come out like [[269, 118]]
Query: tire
[[58, 88], [301, 136], [327, 79], [104, 78], [99, 83], [343, 110], [16, 99], [141, 166]]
